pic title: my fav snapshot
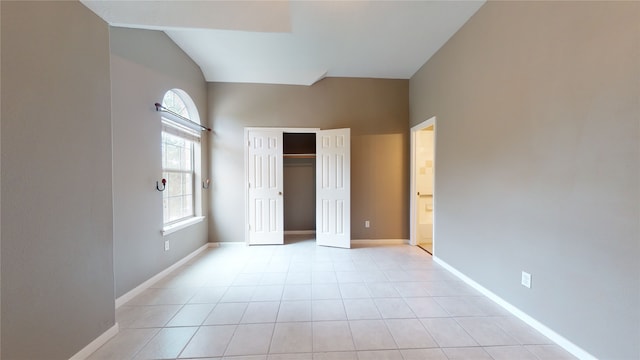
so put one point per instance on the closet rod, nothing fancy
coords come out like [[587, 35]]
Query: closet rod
[[161, 108]]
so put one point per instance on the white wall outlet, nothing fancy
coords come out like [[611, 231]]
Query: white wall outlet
[[166, 245], [367, 223], [526, 279]]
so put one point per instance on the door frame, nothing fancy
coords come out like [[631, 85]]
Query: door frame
[[413, 239], [246, 166]]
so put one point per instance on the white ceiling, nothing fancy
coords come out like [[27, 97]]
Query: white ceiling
[[297, 42]]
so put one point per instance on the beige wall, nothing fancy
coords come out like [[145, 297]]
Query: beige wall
[[375, 110], [537, 162], [57, 226], [146, 64]]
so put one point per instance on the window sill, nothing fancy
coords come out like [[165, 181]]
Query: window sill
[[170, 229]]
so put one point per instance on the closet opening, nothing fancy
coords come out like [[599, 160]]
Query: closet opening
[[299, 182]]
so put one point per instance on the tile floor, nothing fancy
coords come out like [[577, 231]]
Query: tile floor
[[303, 302]]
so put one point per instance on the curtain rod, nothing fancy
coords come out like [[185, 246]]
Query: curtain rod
[[161, 108]]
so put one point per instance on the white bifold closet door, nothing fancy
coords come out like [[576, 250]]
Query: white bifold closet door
[[266, 212], [333, 188]]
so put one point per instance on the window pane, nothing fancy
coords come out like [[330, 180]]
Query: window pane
[[173, 156], [175, 184], [188, 206], [175, 208], [188, 184]]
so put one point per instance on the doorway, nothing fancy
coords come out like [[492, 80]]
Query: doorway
[[422, 184], [264, 180]]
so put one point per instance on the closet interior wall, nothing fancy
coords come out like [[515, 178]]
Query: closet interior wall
[[299, 177]]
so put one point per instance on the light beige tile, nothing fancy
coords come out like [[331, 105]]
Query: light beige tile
[[332, 336], [485, 331], [470, 353], [292, 338], [209, 341], [423, 354], [268, 293], [380, 355], [458, 306], [327, 310], [247, 279], [426, 307], [226, 313], [245, 357], [411, 289], [354, 291], [359, 309], [294, 311], [145, 316], [396, 275], [343, 266], [250, 339], [383, 290], [394, 308], [163, 296], [274, 278], [487, 306], [522, 332], [296, 292], [549, 352], [191, 315], [324, 277], [298, 278], [208, 295], [509, 353], [168, 343], [124, 345], [347, 277], [447, 333], [371, 335], [325, 291], [261, 312], [290, 357], [238, 294], [343, 355], [373, 276], [410, 334]]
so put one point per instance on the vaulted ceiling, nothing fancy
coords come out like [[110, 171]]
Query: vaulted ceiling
[[297, 42]]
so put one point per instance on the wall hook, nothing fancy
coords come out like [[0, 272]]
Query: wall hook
[[164, 185], [205, 184]]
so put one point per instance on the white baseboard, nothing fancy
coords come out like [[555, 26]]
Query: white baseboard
[[300, 232], [96, 343], [228, 243], [379, 241], [574, 349], [147, 284]]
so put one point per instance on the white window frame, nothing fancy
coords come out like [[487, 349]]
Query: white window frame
[[176, 126]]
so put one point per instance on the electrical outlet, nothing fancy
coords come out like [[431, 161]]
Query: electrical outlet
[[166, 245], [526, 279], [366, 223]]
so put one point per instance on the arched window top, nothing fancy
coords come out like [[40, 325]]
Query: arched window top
[[180, 103]]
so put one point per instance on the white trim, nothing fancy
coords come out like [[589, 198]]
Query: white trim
[[572, 348], [96, 343], [228, 243], [379, 241], [170, 229], [147, 284], [412, 170], [299, 232]]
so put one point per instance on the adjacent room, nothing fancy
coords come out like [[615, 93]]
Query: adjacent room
[[354, 180]]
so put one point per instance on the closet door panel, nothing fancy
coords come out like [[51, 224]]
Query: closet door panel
[[265, 187], [333, 188]]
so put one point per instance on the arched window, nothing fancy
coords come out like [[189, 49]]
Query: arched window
[[180, 158]]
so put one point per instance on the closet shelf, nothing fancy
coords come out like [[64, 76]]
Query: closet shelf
[[299, 156]]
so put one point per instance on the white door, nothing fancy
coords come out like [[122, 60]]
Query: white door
[[266, 213], [333, 188]]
